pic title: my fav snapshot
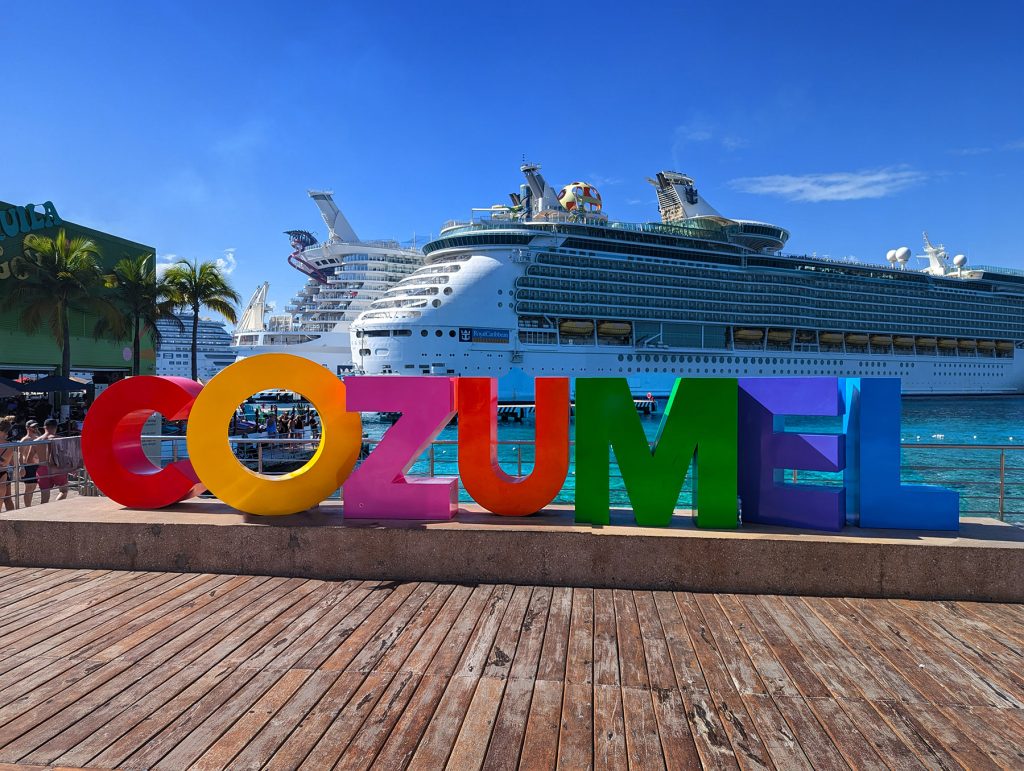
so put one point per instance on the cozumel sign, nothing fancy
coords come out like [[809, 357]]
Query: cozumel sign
[[731, 432]]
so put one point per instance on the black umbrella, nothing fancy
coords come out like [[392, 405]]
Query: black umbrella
[[12, 384], [6, 390], [52, 383]]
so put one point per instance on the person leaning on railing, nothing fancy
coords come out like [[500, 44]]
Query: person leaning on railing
[[6, 463]]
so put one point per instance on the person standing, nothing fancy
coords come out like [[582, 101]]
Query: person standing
[[48, 477], [6, 464], [31, 456]]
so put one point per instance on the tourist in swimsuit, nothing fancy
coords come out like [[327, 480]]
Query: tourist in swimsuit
[[49, 477], [31, 457], [6, 461]]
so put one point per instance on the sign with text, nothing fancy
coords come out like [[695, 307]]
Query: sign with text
[[730, 434]]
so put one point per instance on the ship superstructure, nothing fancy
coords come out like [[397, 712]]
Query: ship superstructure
[[343, 276], [549, 285]]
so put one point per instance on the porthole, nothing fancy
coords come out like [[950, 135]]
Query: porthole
[[451, 333], [448, 290], [423, 333], [437, 303], [438, 332]]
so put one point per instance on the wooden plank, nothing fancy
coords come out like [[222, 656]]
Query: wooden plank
[[510, 723], [610, 727], [450, 653], [378, 726], [1002, 668], [576, 735], [443, 730], [741, 669], [815, 742], [643, 745], [632, 664], [677, 742], [746, 744], [556, 637], [506, 641], [659, 663], [802, 675], [709, 734], [222, 751], [579, 663], [606, 652], [846, 734], [540, 742], [356, 638], [470, 746], [780, 740], [531, 636], [428, 645], [885, 740], [400, 746]]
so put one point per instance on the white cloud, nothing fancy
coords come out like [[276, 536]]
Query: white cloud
[[1017, 144], [971, 151], [835, 186], [164, 261], [227, 263]]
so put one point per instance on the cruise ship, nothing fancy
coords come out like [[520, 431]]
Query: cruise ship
[[549, 285], [343, 276], [174, 354]]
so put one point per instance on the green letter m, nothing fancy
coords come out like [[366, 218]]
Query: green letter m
[[699, 422]]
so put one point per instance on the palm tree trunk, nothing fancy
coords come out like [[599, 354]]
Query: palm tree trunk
[[135, 345], [65, 333], [195, 342]]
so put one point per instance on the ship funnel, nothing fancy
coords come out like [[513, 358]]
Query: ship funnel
[[336, 223]]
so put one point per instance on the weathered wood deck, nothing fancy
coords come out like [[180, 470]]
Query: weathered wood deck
[[104, 669]]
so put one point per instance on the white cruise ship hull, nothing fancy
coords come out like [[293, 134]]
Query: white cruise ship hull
[[330, 350]]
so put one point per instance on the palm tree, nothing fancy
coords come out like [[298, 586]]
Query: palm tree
[[144, 297], [199, 285], [64, 277]]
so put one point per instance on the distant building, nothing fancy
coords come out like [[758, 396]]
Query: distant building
[[103, 360], [174, 354]]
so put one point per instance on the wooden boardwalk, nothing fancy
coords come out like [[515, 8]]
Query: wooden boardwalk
[[103, 669]]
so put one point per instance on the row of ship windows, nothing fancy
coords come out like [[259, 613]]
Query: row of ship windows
[[757, 315], [540, 288], [614, 273], [715, 371], [818, 275]]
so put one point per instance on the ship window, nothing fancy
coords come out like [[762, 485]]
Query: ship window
[[423, 333], [436, 303], [447, 290], [451, 333], [438, 332], [402, 332]]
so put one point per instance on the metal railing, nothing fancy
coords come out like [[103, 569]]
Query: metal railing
[[989, 478], [15, 471]]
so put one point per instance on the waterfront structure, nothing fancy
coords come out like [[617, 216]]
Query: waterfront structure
[[343, 276], [102, 360], [174, 355], [549, 285]]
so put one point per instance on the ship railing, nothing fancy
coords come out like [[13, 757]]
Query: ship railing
[[988, 477]]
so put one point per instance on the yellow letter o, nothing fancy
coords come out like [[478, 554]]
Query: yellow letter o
[[215, 462]]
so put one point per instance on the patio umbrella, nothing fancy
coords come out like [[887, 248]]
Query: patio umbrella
[[6, 390], [12, 384], [51, 384]]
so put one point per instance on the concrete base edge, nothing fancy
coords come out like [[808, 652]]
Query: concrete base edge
[[985, 562]]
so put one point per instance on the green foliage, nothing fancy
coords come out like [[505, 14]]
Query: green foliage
[[64, 277], [196, 285], [143, 297]]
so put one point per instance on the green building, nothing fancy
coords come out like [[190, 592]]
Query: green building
[[21, 354]]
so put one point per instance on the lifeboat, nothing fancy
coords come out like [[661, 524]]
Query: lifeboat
[[614, 328], [831, 338], [881, 340], [968, 345], [748, 335], [986, 345], [1004, 345], [904, 342], [853, 339], [780, 335], [576, 327], [926, 342], [946, 342]]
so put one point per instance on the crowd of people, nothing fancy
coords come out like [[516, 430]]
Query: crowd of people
[[30, 461]]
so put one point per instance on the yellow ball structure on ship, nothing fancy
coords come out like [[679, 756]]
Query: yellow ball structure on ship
[[580, 197]]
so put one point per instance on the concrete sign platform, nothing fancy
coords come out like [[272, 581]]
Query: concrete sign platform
[[985, 561]]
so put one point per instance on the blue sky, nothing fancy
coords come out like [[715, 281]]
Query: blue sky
[[197, 127]]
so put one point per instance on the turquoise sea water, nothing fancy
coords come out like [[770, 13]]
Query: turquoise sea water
[[972, 470]]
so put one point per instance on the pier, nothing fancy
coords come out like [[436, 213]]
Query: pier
[[138, 670]]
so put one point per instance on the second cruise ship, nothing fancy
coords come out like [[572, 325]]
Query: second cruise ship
[[343, 276], [548, 285]]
